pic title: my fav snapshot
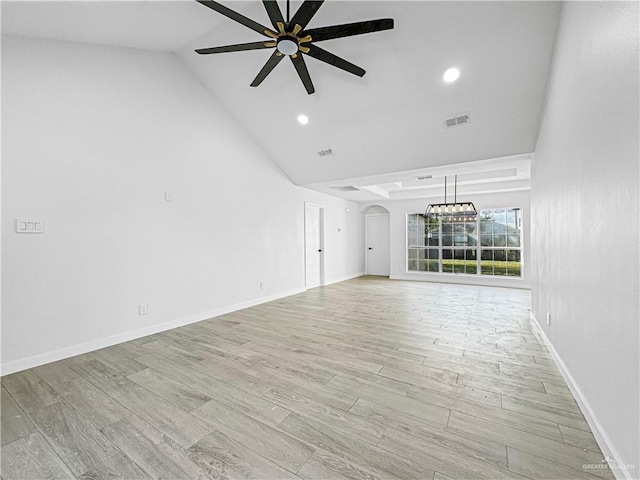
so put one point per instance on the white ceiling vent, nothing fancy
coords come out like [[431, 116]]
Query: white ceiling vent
[[347, 188], [325, 152], [455, 120]]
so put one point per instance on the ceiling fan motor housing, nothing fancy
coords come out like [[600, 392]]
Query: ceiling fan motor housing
[[287, 45]]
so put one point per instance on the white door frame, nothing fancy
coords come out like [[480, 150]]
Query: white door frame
[[321, 208], [366, 239]]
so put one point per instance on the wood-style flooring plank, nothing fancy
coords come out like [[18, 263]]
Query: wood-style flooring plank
[[324, 466], [256, 407], [183, 428], [99, 408], [15, 423], [526, 423], [320, 392], [500, 356], [182, 396], [118, 467], [31, 458], [420, 376], [540, 468], [118, 359], [77, 441], [436, 456], [274, 444], [77, 360], [579, 438], [158, 455], [547, 375], [368, 384], [30, 391], [179, 371], [110, 381], [247, 381], [322, 358], [290, 365], [453, 390], [495, 386], [546, 412], [334, 417], [55, 373], [559, 390], [463, 443], [550, 449], [350, 448], [234, 460], [461, 366], [425, 410]]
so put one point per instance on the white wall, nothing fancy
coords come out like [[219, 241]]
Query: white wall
[[92, 137], [398, 239], [585, 217]]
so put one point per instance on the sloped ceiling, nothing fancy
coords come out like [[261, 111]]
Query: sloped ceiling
[[390, 120]]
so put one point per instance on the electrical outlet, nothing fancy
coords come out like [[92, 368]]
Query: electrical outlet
[[143, 309], [548, 318], [168, 197], [261, 285]]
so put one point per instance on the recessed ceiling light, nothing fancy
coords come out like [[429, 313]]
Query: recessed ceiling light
[[451, 75], [303, 119]]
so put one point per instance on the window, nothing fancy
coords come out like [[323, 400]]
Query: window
[[491, 244]]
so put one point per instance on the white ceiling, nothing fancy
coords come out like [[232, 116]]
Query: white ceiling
[[389, 121], [163, 26], [504, 174]]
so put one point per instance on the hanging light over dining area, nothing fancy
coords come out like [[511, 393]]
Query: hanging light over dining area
[[454, 211]]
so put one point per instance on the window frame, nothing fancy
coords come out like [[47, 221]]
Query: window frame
[[478, 247]]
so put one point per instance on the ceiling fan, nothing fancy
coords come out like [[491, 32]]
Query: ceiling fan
[[290, 38]]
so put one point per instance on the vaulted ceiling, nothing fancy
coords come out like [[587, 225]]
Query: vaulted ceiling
[[382, 128]]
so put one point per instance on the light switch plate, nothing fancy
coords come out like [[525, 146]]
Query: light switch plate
[[29, 225]]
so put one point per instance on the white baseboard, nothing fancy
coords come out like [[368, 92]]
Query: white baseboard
[[54, 356], [613, 459], [343, 279], [479, 281]]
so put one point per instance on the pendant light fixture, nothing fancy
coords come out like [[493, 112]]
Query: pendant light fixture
[[456, 211]]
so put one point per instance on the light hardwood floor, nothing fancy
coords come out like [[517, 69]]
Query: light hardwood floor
[[365, 379]]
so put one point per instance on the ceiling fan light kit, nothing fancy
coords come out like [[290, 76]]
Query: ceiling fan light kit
[[290, 38]]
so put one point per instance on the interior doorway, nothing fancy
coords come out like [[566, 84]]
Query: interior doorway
[[377, 244], [313, 245]]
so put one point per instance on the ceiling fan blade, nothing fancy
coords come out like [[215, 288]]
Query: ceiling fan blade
[[331, 59], [306, 12], [349, 29], [273, 10], [303, 73], [235, 48], [227, 12], [274, 59]]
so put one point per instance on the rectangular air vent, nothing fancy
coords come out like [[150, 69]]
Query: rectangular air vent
[[455, 120], [347, 188], [325, 152]]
